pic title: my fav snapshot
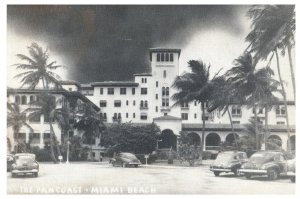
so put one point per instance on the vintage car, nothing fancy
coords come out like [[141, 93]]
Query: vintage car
[[228, 161], [270, 163], [292, 169], [24, 165], [125, 160]]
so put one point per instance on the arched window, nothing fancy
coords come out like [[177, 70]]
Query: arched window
[[167, 91], [171, 57], [142, 103], [165, 73], [167, 56], [146, 104], [23, 99], [163, 91], [17, 99], [158, 57], [162, 57]]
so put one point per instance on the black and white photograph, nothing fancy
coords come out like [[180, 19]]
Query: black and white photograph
[[119, 99]]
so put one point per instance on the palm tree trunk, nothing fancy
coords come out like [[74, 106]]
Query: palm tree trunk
[[292, 70], [203, 131], [232, 129], [266, 126], [52, 142], [256, 126], [285, 103], [55, 140]]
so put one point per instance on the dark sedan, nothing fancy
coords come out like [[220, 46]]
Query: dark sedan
[[270, 163], [125, 160], [228, 161], [25, 165]]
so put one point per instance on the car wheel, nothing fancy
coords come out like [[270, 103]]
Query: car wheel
[[248, 176], [36, 174], [13, 175], [217, 173], [272, 174], [235, 171], [136, 166], [293, 179]]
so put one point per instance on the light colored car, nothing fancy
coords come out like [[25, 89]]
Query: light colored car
[[24, 165], [125, 160], [228, 161]]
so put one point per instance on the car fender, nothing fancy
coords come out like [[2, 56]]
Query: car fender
[[272, 166]]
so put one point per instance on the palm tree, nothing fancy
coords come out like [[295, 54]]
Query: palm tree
[[16, 119], [195, 86], [250, 83], [46, 105], [273, 27], [38, 68]]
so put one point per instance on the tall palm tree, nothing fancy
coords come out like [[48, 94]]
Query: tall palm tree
[[37, 68], [16, 119], [250, 83], [273, 27], [195, 86], [46, 105]]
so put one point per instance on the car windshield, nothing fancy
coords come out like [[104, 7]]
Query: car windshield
[[24, 160], [224, 157], [262, 157]]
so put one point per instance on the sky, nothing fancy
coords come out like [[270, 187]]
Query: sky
[[103, 43]]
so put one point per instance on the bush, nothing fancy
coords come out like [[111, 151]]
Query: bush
[[42, 155]]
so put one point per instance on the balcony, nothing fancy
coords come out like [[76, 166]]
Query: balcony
[[165, 109]]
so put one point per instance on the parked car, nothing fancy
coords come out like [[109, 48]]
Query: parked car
[[125, 160], [270, 163], [292, 169], [228, 161], [10, 160], [24, 165]]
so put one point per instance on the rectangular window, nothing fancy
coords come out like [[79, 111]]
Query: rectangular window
[[195, 115], [184, 116], [46, 137], [46, 118], [101, 91], [122, 91], [165, 74], [156, 83], [144, 117], [156, 96], [156, 109], [171, 57], [143, 91], [280, 111], [35, 118], [162, 57], [236, 122], [117, 103], [103, 103], [36, 137], [145, 80], [184, 105], [260, 111], [280, 123], [133, 102], [133, 91], [110, 91], [133, 115], [22, 137], [126, 115], [158, 57], [127, 102], [236, 110]]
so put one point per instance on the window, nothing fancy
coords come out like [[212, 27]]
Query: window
[[101, 91], [23, 99], [17, 99], [46, 137], [260, 111], [133, 91], [165, 102], [184, 116], [236, 122], [146, 103], [133, 102], [103, 116], [144, 116], [236, 110], [122, 91], [280, 123], [34, 118], [195, 115], [31, 98], [36, 137], [46, 118], [162, 57], [103, 103], [280, 111], [22, 137], [156, 109], [163, 91], [133, 115], [142, 104], [195, 103], [171, 57], [156, 83], [167, 57], [165, 74], [145, 80], [115, 116], [156, 96], [184, 105], [110, 91], [142, 80], [126, 115], [158, 57], [117, 103], [127, 102], [143, 91], [167, 91], [119, 115]]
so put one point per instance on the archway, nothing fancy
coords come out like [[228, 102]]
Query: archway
[[212, 141], [194, 139], [167, 140], [275, 139], [293, 144], [230, 138]]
